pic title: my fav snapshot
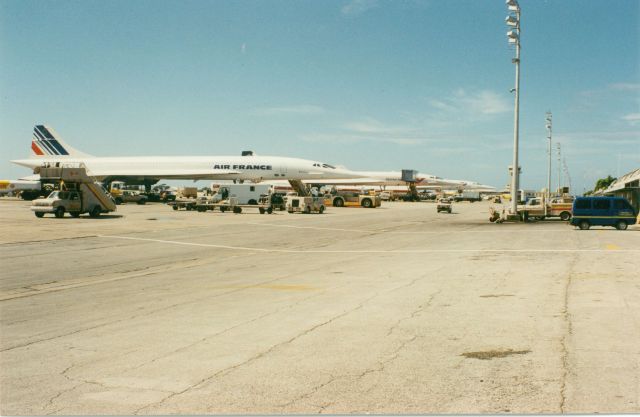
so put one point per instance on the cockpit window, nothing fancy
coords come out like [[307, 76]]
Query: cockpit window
[[316, 164]]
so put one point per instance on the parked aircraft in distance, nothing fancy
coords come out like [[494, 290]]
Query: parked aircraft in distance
[[48, 148], [394, 178]]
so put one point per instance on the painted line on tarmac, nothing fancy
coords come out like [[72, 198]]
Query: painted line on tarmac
[[334, 229], [364, 251]]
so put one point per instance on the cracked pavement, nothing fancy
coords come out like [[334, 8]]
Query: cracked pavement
[[98, 325]]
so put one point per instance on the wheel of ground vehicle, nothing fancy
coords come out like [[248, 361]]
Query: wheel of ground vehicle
[[95, 211], [565, 215], [118, 200], [237, 210], [74, 213], [59, 212], [338, 202], [253, 202], [621, 225], [584, 225], [366, 203], [261, 210], [143, 201], [290, 211], [307, 210], [39, 214], [270, 210], [321, 209], [175, 207], [223, 209], [201, 209]]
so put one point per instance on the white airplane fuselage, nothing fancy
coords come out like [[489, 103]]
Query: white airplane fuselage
[[252, 168]]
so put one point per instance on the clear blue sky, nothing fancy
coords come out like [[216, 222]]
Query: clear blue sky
[[370, 84]]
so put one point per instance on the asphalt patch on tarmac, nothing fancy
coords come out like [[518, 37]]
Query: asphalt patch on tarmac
[[490, 354]]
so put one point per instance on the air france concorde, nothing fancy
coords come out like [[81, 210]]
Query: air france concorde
[[48, 148]]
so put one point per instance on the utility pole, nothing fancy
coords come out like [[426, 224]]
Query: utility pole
[[566, 172], [548, 120], [559, 166], [513, 21]]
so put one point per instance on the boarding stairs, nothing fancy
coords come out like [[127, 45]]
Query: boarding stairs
[[300, 188]]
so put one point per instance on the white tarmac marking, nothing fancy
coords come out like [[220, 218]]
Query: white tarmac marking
[[407, 232], [242, 248]]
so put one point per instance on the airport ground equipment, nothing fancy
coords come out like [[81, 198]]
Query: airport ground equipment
[[131, 196], [77, 193], [274, 200], [187, 192], [244, 193], [307, 205], [444, 204], [300, 188], [409, 176], [352, 199], [231, 204], [186, 204], [468, 195]]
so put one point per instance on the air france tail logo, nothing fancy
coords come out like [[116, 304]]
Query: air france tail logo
[[44, 143]]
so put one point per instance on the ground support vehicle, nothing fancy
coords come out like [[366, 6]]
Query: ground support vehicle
[[349, 199], [275, 200], [244, 193], [131, 196], [230, 204], [306, 205], [186, 204], [444, 204], [602, 211], [537, 209], [78, 194], [187, 192], [466, 195]]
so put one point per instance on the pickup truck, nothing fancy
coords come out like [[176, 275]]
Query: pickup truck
[[131, 196], [558, 207]]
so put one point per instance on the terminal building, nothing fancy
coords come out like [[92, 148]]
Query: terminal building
[[627, 186]]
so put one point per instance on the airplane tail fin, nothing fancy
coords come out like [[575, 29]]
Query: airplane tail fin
[[46, 142]]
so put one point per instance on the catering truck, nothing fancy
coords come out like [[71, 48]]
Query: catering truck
[[77, 193], [245, 193]]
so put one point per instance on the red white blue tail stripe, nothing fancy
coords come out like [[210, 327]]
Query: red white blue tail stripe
[[45, 143]]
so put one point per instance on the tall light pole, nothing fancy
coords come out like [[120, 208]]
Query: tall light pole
[[548, 125], [513, 21], [559, 166]]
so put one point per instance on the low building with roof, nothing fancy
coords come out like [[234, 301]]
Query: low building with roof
[[627, 186]]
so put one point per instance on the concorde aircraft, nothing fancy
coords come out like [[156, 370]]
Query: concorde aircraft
[[394, 178], [48, 148]]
